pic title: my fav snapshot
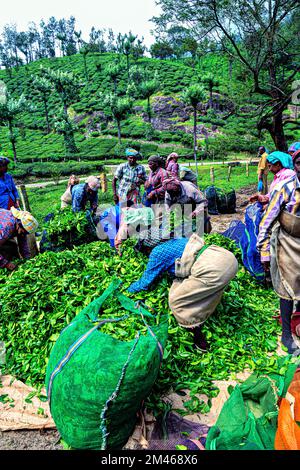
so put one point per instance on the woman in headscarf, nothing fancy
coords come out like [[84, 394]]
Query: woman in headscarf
[[9, 196], [279, 247], [172, 166], [14, 223], [192, 204], [293, 148], [155, 193], [66, 198], [281, 165], [296, 162]]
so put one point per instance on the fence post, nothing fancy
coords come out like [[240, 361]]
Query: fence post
[[247, 169], [229, 172], [212, 174], [24, 198], [103, 181], [31, 240]]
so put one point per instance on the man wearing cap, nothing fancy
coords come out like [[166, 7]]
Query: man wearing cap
[[130, 177], [84, 193], [9, 196], [15, 223]]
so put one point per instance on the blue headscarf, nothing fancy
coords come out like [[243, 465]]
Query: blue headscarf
[[131, 153], [284, 158], [294, 147]]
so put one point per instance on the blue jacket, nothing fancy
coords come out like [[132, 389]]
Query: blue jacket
[[161, 259], [7, 190], [80, 197]]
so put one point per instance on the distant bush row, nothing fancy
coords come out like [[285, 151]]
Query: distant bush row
[[55, 170]]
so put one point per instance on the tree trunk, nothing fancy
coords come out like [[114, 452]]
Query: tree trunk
[[47, 115], [12, 140], [195, 140], [149, 109], [277, 133], [119, 131], [211, 104]]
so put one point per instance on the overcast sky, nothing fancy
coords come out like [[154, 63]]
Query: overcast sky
[[120, 15]]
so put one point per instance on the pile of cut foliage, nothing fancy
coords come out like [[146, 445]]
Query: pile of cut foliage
[[40, 298]]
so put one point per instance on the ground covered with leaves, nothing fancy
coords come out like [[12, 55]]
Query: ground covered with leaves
[[45, 293]]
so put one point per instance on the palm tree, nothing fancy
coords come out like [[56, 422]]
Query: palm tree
[[194, 95], [211, 82], [146, 90], [119, 107], [44, 88], [10, 109]]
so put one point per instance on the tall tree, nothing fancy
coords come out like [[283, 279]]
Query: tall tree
[[10, 110], [68, 88], [84, 51], [44, 88], [210, 82], [125, 44], [114, 71], [118, 108], [161, 49], [252, 32], [146, 89], [66, 127], [194, 95]]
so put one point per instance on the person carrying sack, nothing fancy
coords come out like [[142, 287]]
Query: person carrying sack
[[202, 273], [279, 246]]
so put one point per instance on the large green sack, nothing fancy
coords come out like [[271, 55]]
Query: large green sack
[[248, 419], [96, 383]]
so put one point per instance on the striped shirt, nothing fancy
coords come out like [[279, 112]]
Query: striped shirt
[[130, 178], [284, 197]]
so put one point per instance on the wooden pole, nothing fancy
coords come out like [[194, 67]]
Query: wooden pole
[[247, 169], [31, 240], [212, 174], [103, 181], [229, 172], [24, 198]]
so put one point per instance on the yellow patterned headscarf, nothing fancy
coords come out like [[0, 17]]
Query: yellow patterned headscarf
[[29, 223]]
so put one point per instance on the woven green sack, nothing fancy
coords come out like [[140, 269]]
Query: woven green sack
[[96, 383]]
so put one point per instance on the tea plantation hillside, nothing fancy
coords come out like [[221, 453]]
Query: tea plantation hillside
[[219, 130]]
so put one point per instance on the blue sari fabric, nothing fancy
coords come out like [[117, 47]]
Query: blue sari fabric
[[110, 221], [245, 236]]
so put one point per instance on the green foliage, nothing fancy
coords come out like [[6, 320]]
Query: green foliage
[[194, 95], [67, 229], [50, 292]]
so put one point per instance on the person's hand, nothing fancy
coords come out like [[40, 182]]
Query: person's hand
[[17, 204], [146, 185], [266, 266], [193, 214], [116, 199], [150, 195], [254, 198], [10, 266], [260, 186]]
